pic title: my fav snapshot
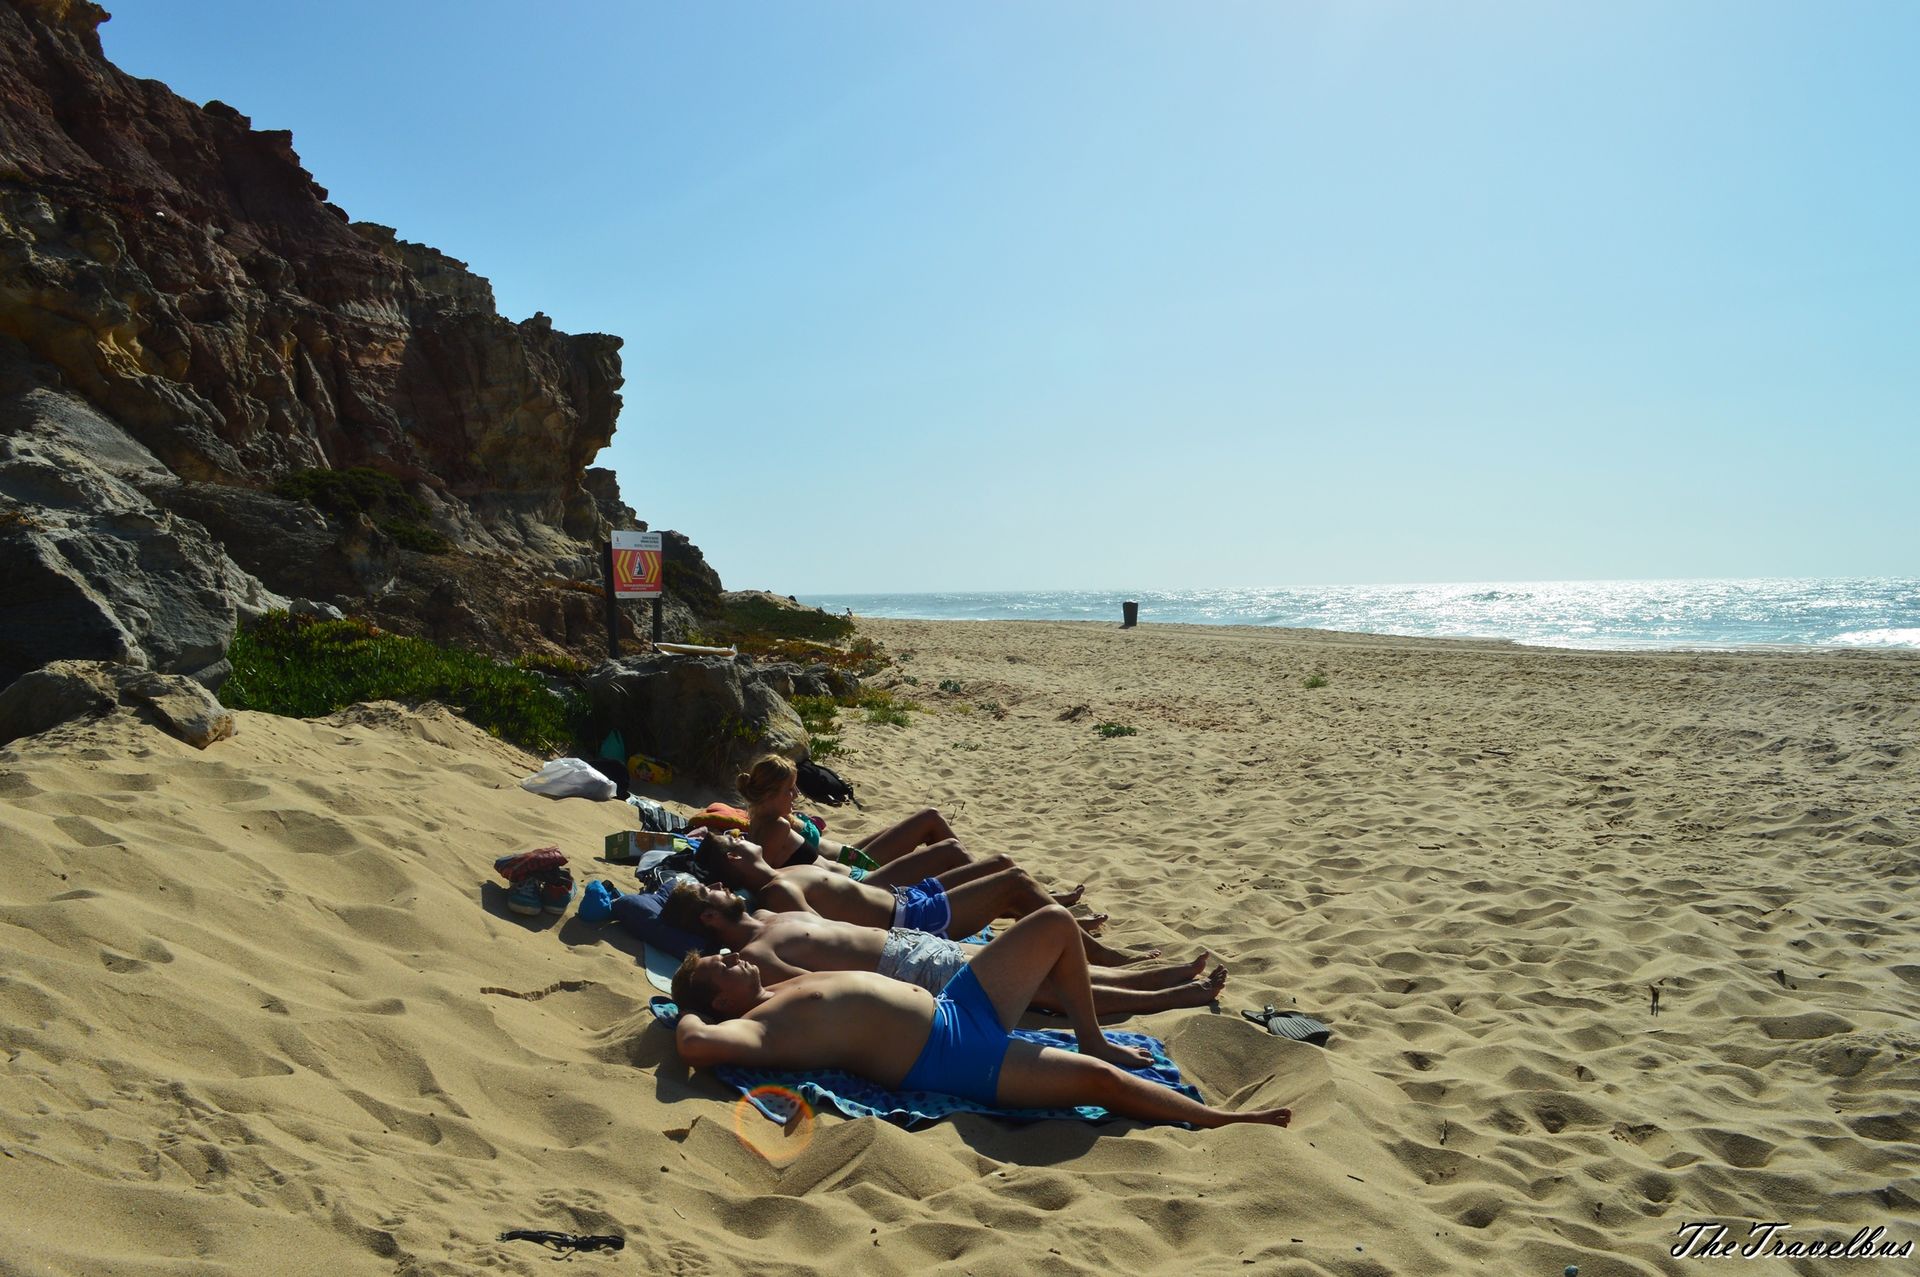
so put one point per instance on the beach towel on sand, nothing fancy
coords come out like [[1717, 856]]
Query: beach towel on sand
[[831, 1090]]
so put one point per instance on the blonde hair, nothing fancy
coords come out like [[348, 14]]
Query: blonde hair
[[769, 774]]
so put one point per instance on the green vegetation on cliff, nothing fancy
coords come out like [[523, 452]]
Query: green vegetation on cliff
[[362, 490], [304, 669]]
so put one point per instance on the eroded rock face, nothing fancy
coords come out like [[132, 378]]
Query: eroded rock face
[[186, 275], [89, 566], [178, 272]]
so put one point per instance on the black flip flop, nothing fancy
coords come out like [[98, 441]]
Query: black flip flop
[[1291, 1024]]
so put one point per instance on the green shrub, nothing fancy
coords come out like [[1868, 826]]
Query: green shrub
[[884, 707], [1314, 680], [994, 708], [304, 669], [821, 747], [761, 618], [1111, 730], [950, 685], [409, 535], [816, 712], [362, 490]]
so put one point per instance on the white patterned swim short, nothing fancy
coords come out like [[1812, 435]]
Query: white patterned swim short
[[918, 957]]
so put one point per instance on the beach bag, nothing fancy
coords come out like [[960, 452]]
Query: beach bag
[[569, 778], [824, 785]]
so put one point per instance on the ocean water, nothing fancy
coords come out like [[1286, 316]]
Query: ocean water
[[1842, 612]]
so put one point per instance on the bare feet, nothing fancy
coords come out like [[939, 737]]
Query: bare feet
[[1198, 993], [1198, 965], [1092, 922], [1272, 1117], [1127, 1057], [1070, 898], [1227, 1117]]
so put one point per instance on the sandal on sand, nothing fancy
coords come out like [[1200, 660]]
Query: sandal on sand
[[1291, 1024]]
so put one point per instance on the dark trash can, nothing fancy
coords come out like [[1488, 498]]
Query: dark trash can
[[1130, 614]]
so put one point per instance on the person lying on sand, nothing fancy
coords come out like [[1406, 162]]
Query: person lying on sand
[[772, 785], [929, 905], [904, 1038], [784, 945]]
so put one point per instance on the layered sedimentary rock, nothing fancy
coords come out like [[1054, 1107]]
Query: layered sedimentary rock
[[173, 277]]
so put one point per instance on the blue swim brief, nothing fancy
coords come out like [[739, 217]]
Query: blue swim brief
[[968, 1043], [922, 907]]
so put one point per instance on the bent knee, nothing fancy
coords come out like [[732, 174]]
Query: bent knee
[[1057, 916]]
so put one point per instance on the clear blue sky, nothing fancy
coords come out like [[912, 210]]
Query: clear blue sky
[[926, 295]]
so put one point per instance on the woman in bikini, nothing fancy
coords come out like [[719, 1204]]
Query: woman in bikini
[[919, 847], [771, 787]]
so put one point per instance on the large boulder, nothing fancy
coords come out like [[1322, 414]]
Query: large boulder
[[706, 715], [65, 690]]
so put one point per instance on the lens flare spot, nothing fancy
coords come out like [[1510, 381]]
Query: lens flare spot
[[781, 1143]]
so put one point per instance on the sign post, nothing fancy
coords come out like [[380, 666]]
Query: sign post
[[635, 570]]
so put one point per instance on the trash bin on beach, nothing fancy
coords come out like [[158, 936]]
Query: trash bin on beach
[[1130, 614]]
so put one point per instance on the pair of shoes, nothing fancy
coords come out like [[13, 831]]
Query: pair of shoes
[[1291, 1024], [539, 880], [548, 890]]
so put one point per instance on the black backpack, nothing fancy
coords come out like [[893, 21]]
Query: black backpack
[[824, 785]]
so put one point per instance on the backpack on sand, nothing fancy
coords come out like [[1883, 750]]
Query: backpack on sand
[[824, 785]]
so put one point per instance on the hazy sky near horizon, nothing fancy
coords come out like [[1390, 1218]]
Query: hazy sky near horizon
[[924, 296]]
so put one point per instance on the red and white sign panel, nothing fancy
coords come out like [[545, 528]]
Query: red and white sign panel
[[637, 573]]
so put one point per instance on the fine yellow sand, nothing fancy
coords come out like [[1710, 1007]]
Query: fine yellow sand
[[265, 1011]]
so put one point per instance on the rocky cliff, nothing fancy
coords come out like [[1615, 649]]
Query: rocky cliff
[[190, 332]]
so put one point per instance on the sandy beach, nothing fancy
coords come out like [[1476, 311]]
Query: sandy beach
[[1611, 943]]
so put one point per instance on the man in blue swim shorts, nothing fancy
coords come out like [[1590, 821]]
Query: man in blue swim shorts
[[922, 907], [959, 902], [957, 1042], [784, 945]]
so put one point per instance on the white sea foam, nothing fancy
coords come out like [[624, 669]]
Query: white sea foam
[[1877, 638], [1610, 615]]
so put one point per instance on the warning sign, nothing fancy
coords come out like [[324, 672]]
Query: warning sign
[[637, 571]]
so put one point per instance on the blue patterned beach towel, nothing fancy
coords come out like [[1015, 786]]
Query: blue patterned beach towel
[[773, 1091]]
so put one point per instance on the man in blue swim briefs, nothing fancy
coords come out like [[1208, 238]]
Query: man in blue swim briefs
[[901, 1037], [957, 903], [784, 945]]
